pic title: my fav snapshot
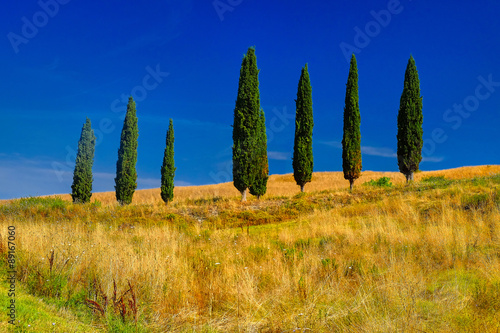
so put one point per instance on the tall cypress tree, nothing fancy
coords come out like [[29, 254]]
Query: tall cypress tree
[[168, 168], [410, 121], [302, 147], [82, 176], [259, 185], [246, 117], [126, 175], [351, 141]]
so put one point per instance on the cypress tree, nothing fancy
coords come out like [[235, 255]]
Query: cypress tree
[[410, 121], [302, 147], [259, 185], [168, 168], [82, 176], [351, 141], [126, 175], [246, 117]]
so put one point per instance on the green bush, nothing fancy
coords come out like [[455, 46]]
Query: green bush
[[476, 201], [52, 203], [381, 182], [33, 205], [436, 181], [433, 179]]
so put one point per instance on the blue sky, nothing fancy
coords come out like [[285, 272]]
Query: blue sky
[[65, 60]]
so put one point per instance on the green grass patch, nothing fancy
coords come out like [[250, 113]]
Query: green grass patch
[[381, 182], [33, 206], [35, 315], [476, 201], [433, 182]]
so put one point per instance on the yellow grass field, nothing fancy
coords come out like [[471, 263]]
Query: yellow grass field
[[280, 185], [423, 257]]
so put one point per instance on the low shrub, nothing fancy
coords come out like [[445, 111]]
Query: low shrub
[[381, 182], [436, 181], [475, 201]]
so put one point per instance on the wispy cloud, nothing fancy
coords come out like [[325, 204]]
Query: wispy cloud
[[380, 151], [278, 155], [334, 144], [388, 152], [432, 159], [23, 177], [182, 183], [148, 182], [27, 180]]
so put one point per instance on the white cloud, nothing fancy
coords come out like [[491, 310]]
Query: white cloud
[[278, 155], [432, 159], [148, 182], [24, 180], [378, 151], [182, 183], [103, 175]]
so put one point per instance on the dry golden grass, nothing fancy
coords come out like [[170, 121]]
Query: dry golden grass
[[284, 185], [408, 258]]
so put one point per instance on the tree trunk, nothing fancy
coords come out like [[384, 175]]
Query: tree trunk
[[409, 177], [258, 197], [301, 188], [351, 184], [244, 195]]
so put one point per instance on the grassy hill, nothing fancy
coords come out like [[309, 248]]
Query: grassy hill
[[423, 257], [284, 185]]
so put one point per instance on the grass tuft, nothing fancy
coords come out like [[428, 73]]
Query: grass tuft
[[381, 182]]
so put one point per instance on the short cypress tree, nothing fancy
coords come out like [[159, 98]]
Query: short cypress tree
[[410, 121], [168, 167], [246, 117], [302, 147], [259, 185], [82, 176], [126, 175], [351, 141]]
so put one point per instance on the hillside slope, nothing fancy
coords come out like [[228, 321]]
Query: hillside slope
[[418, 258], [284, 185]]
